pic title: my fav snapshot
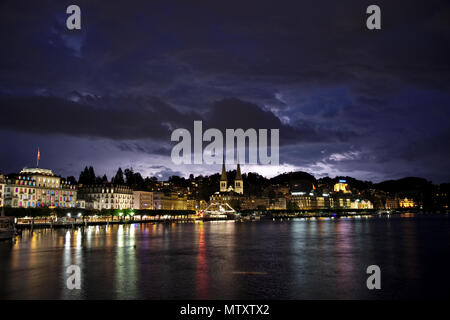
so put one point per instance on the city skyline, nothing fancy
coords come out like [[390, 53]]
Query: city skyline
[[347, 101], [186, 175]]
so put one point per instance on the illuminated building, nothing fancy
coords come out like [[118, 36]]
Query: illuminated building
[[254, 203], [278, 204], [392, 203], [106, 196], [171, 201], [192, 204], [396, 203], [36, 187], [223, 179], [407, 203], [142, 200], [361, 204], [225, 197], [342, 186], [238, 182], [309, 201], [2, 189], [339, 202], [81, 204]]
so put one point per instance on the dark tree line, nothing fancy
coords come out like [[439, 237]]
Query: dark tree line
[[122, 177]]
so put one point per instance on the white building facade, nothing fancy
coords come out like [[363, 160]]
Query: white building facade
[[35, 187], [106, 196], [2, 190], [142, 200]]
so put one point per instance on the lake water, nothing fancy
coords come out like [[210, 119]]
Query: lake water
[[296, 259]]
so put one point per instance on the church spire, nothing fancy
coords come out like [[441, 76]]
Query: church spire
[[238, 182], [223, 178], [238, 172], [224, 172]]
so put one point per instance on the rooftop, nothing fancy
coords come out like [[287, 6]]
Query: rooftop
[[45, 172]]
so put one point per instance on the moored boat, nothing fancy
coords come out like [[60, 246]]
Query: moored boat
[[7, 228]]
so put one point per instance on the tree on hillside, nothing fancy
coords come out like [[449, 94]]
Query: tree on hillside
[[87, 176], [84, 176], [72, 180], [92, 177], [118, 178]]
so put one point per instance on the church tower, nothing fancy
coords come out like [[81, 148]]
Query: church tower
[[223, 178], [238, 182]]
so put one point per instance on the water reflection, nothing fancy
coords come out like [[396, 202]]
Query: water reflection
[[202, 266], [297, 259]]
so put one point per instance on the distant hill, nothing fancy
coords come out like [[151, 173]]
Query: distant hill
[[293, 178], [405, 185]]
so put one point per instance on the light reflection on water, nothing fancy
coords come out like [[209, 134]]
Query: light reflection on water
[[296, 259]]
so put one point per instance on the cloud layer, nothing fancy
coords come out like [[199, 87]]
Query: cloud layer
[[347, 100]]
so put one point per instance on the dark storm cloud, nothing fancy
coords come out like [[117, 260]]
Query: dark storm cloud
[[125, 118], [234, 113], [311, 69], [118, 118]]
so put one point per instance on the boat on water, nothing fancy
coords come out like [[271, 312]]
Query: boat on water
[[219, 211], [7, 228]]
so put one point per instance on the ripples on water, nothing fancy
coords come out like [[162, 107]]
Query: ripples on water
[[296, 259]]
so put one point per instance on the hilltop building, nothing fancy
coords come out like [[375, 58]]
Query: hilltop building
[[342, 186]]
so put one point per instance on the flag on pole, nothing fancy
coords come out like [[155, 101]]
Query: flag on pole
[[39, 154], [38, 157]]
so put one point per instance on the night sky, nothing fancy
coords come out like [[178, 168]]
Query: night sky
[[374, 105]]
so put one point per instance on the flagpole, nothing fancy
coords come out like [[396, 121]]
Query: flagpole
[[38, 156]]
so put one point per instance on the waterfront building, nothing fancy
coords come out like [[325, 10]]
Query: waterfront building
[[407, 203], [169, 201], [254, 203], [392, 203], [142, 200], [2, 189], [36, 187], [192, 204], [202, 204], [338, 201], [361, 204], [278, 204], [106, 196], [80, 204], [311, 201]]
